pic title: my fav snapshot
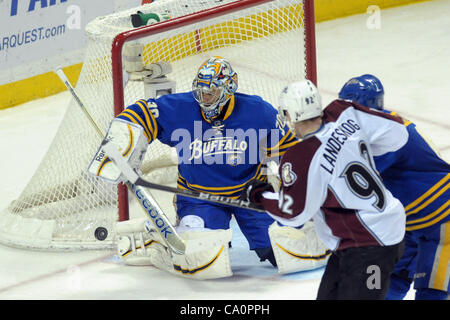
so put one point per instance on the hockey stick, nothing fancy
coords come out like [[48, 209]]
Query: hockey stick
[[134, 178], [148, 204]]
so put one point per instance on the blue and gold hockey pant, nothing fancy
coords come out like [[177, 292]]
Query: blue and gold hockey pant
[[426, 261]]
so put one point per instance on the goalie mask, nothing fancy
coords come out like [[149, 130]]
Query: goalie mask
[[215, 83]]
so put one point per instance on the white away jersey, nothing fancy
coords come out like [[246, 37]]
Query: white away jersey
[[330, 177]]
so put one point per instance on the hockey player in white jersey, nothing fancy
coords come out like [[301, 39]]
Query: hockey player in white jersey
[[419, 166], [329, 177]]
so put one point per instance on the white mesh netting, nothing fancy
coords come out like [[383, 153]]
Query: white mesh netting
[[62, 206]]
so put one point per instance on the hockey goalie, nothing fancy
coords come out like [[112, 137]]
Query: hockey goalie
[[215, 159]]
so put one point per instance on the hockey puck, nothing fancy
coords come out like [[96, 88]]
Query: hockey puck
[[101, 233]]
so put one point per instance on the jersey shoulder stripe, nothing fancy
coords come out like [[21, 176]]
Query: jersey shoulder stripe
[[406, 122], [149, 117], [130, 115], [281, 147]]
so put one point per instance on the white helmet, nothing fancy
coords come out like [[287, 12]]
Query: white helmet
[[302, 100]]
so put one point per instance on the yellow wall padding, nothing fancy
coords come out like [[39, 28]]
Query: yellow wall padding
[[36, 87]]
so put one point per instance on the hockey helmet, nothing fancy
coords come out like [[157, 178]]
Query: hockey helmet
[[365, 90], [302, 100], [215, 83]]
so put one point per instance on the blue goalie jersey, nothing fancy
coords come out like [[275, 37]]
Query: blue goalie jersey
[[220, 156], [419, 178]]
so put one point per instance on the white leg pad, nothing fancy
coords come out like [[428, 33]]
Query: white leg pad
[[297, 249], [206, 256]]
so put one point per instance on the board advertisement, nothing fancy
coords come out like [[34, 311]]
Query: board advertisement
[[38, 35]]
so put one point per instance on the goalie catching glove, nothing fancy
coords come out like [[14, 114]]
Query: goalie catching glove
[[132, 144]]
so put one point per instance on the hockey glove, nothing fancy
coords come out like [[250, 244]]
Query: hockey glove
[[253, 190]]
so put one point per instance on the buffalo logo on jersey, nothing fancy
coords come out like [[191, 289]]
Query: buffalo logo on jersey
[[287, 175], [215, 148]]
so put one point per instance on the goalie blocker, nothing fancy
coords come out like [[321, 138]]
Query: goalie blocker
[[129, 138]]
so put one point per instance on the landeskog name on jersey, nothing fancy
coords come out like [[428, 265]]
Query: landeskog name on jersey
[[336, 141]]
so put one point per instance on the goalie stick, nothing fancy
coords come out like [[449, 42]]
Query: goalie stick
[[148, 204], [134, 178]]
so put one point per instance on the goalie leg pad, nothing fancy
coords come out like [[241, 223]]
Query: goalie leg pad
[[297, 249], [206, 255]]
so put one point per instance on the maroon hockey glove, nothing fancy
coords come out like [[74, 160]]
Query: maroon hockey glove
[[253, 190]]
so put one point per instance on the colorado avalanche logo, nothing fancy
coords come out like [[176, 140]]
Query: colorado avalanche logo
[[287, 175]]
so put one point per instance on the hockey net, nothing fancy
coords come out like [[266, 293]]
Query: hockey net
[[269, 43]]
